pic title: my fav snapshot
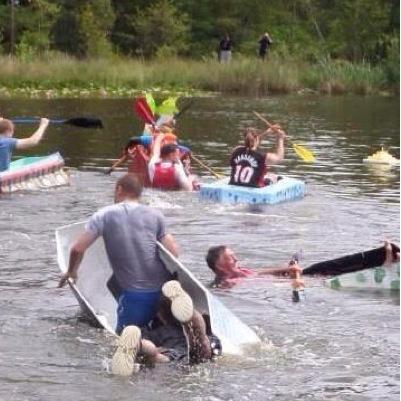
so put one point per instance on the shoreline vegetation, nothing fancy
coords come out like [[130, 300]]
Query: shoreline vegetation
[[59, 76]]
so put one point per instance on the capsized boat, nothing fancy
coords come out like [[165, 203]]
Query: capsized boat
[[382, 157], [365, 270], [285, 189], [94, 292], [380, 277], [33, 173]]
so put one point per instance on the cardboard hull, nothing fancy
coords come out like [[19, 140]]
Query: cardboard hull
[[96, 297]]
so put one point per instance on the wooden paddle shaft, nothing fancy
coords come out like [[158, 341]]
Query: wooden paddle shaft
[[205, 166], [270, 125]]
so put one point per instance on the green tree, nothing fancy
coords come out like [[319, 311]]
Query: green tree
[[357, 27], [84, 28], [161, 30], [27, 24]]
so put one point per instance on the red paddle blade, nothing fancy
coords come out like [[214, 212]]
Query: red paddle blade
[[143, 111]]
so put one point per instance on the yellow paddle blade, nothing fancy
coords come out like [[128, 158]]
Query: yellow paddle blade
[[304, 153], [168, 106], [151, 102]]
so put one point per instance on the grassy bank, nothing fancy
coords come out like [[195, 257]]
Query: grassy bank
[[66, 77]]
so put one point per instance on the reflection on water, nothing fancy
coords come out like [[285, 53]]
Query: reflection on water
[[334, 345]]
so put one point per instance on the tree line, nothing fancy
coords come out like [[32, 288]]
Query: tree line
[[354, 30]]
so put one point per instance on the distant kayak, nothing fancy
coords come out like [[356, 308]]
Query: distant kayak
[[33, 173], [284, 190]]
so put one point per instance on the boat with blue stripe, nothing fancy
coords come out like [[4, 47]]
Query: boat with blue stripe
[[285, 189]]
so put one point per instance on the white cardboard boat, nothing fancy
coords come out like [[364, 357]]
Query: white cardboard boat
[[377, 278], [362, 270], [95, 297]]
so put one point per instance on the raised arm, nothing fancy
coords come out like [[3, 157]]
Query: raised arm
[[278, 155], [35, 138], [157, 144]]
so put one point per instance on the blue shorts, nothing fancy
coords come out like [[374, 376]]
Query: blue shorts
[[136, 307]]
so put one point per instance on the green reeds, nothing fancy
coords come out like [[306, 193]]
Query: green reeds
[[62, 76]]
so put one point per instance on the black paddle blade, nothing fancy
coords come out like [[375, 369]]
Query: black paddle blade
[[85, 122]]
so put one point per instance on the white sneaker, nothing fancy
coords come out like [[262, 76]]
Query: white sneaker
[[128, 345], [182, 307]]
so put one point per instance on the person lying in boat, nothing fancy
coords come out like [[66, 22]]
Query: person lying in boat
[[8, 143], [224, 264], [177, 333], [165, 168], [249, 167]]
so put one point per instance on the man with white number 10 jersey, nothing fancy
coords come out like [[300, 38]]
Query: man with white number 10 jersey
[[248, 166]]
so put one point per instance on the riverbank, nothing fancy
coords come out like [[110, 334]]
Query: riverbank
[[67, 77]]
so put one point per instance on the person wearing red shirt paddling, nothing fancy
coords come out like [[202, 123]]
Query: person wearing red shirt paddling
[[165, 168]]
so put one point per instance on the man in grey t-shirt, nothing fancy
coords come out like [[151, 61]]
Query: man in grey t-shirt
[[130, 232]]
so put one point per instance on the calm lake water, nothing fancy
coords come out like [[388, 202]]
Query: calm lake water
[[332, 346]]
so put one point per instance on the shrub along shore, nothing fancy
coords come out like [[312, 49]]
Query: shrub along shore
[[61, 76]]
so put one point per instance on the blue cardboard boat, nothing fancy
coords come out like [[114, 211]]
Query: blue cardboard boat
[[284, 190]]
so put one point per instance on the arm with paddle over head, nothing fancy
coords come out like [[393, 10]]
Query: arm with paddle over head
[[304, 153]]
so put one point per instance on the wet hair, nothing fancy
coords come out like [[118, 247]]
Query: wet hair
[[130, 185], [250, 138], [5, 126], [168, 149], [213, 254]]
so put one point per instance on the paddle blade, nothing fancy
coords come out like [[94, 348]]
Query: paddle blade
[[143, 111], [84, 122], [168, 106], [304, 153], [151, 102]]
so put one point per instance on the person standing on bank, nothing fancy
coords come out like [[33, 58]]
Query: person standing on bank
[[224, 52], [264, 43], [130, 232]]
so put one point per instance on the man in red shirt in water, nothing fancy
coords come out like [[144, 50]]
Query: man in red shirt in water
[[223, 262]]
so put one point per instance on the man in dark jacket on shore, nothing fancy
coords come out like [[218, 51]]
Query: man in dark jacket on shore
[[264, 43]]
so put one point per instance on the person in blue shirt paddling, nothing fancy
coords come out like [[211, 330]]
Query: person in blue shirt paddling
[[8, 143]]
